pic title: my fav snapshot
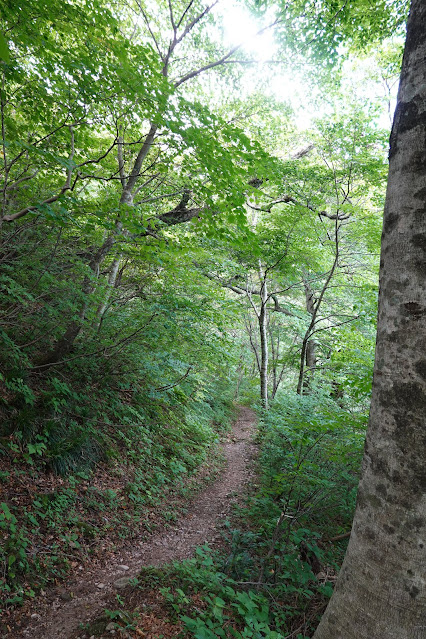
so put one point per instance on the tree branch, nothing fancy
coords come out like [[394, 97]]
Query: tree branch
[[144, 150], [195, 21], [67, 187], [169, 386], [223, 59]]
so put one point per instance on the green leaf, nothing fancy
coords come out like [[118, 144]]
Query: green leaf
[[4, 49], [5, 508]]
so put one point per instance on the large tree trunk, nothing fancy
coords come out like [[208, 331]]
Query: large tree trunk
[[381, 590]]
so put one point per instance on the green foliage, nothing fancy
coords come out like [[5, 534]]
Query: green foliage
[[15, 542], [311, 455], [321, 30]]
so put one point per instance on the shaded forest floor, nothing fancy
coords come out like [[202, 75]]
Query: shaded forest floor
[[94, 586]]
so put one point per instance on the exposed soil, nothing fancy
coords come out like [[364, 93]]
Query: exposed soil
[[59, 615]]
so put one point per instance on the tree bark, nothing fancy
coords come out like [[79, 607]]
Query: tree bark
[[381, 590]]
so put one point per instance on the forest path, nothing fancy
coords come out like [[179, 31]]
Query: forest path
[[59, 619]]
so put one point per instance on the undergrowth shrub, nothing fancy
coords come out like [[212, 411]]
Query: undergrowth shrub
[[74, 424], [209, 602], [310, 460]]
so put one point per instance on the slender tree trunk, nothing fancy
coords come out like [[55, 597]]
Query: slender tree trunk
[[253, 344], [311, 357], [264, 355], [113, 273], [381, 590], [240, 371], [276, 369], [274, 360], [311, 345], [263, 358], [314, 312]]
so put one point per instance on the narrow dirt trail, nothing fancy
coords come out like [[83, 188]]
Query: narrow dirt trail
[[60, 619]]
